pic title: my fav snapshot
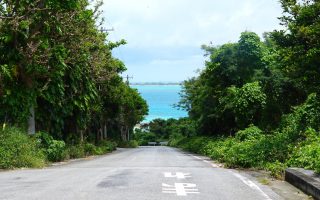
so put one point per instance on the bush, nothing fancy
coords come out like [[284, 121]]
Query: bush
[[245, 154], [216, 148], [304, 116], [133, 144], [276, 169], [144, 137], [56, 151], [307, 153], [249, 148], [174, 139], [193, 144], [17, 149], [107, 146], [250, 133], [295, 143], [90, 149], [128, 144], [76, 151]]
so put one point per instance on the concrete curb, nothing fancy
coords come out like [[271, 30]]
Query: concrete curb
[[307, 182]]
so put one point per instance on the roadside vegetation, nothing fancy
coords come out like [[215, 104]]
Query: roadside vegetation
[[160, 130], [256, 102], [58, 76], [19, 150]]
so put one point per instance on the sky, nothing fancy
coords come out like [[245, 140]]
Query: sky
[[164, 37]]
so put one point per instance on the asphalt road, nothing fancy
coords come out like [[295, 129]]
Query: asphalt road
[[145, 173]]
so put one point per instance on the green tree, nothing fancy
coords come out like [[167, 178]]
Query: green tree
[[231, 65], [299, 43], [55, 60]]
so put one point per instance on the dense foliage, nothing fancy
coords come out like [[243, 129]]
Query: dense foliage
[[257, 101], [17, 149], [57, 72], [160, 130], [56, 60]]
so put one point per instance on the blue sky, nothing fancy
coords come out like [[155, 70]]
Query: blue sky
[[164, 36]]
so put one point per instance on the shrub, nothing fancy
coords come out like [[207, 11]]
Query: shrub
[[175, 138], [17, 149], [250, 133], [76, 151], [56, 151], [44, 139], [87, 149], [107, 146], [133, 144], [90, 149], [128, 144], [276, 169], [193, 144], [304, 116], [216, 148], [245, 154], [144, 137], [307, 153]]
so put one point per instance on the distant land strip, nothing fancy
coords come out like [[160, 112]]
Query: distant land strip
[[156, 83]]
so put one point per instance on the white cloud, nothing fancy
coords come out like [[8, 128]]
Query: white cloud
[[149, 25], [166, 70]]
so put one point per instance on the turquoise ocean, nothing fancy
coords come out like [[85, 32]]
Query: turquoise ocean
[[161, 99]]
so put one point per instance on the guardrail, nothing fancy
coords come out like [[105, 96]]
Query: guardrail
[[164, 143], [152, 143]]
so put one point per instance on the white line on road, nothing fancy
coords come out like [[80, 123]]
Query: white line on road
[[178, 175], [214, 165], [206, 161], [197, 157], [180, 189], [251, 184]]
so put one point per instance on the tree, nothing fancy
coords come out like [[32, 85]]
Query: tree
[[234, 65], [299, 43], [56, 61]]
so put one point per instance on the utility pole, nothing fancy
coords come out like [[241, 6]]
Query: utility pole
[[106, 30], [128, 77]]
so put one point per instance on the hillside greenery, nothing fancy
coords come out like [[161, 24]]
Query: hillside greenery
[[56, 63], [256, 101]]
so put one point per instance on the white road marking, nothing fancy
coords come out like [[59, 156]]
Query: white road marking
[[180, 189], [251, 184], [178, 175], [206, 161], [214, 165], [197, 157]]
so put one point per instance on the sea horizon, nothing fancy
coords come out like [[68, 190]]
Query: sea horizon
[[161, 100]]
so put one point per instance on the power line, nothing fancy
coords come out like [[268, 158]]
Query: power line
[[106, 30], [128, 77]]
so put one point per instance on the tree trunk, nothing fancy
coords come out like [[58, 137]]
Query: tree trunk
[[31, 122], [123, 133], [128, 134], [105, 131], [81, 136]]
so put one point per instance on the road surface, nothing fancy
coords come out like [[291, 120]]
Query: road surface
[[145, 173]]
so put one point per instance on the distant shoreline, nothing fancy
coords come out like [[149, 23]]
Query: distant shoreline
[[155, 83]]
